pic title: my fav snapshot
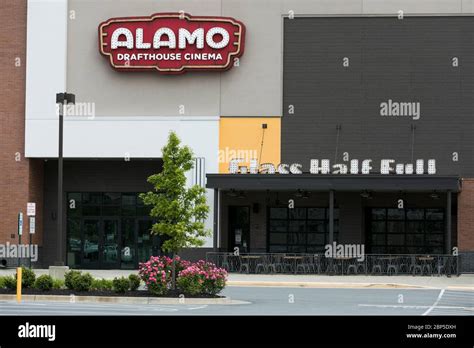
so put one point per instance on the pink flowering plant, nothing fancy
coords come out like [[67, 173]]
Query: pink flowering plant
[[156, 272], [202, 278]]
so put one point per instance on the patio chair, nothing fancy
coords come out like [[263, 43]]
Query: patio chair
[[276, 263], [225, 262], [391, 267], [317, 263], [440, 265], [415, 266], [244, 265], [355, 266], [377, 266], [262, 264], [306, 265]]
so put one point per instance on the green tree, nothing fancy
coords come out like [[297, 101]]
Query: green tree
[[180, 211]]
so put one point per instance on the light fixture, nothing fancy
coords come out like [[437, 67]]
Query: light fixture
[[434, 195], [299, 193], [366, 194], [241, 195], [305, 195], [232, 193]]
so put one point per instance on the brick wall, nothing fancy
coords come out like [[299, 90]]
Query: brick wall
[[466, 216], [21, 179]]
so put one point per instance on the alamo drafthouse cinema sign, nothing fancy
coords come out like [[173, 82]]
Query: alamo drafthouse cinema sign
[[172, 42]]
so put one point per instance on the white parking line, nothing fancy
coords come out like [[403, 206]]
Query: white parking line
[[436, 302]]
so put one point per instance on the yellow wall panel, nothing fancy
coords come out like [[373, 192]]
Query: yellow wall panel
[[241, 137]]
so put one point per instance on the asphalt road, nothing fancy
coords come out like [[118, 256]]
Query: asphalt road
[[280, 301]]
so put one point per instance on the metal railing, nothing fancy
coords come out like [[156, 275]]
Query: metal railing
[[370, 264]]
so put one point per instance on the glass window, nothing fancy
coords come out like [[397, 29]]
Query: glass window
[[379, 214], [415, 227], [378, 239], [129, 199], [277, 248], [278, 226], [296, 238], [297, 226], [415, 239], [297, 213], [414, 230], [278, 238], [305, 226], [111, 198], [415, 214], [110, 211], [278, 213], [435, 214], [395, 239], [378, 226], [395, 226], [92, 198], [395, 214], [128, 245], [316, 213], [316, 238], [74, 242], [435, 226], [91, 210], [317, 226]]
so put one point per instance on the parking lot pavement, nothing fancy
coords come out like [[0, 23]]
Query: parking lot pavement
[[280, 301]]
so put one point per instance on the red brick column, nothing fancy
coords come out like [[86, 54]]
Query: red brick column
[[21, 179], [466, 216]]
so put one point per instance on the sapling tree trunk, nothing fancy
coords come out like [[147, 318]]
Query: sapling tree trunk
[[173, 273]]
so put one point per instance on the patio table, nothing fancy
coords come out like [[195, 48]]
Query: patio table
[[425, 263], [252, 259]]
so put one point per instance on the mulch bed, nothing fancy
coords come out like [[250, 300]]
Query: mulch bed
[[138, 293]]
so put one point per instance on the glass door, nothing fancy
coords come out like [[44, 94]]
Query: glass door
[[90, 245], [109, 246], [239, 227]]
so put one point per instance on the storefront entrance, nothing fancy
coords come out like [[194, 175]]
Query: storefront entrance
[[103, 240]]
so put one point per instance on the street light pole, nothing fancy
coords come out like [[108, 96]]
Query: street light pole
[[61, 100]]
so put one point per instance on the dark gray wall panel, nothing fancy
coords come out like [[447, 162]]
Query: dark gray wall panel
[[405, 60]]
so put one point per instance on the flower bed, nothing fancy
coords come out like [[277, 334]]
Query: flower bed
[[192, 279], [198, 279]]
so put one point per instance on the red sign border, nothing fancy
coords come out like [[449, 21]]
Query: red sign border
[[181, 16]]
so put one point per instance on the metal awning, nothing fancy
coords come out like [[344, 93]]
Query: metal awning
[[341, 182]]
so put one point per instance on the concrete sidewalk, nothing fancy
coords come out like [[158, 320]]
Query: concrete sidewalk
[[463, 282]]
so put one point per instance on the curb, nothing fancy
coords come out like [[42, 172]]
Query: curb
[[125, 300], [328, 285]]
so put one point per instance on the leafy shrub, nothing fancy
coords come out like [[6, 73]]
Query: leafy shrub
[[202, 278], [69, 278], [2, 282], [27, 277], [58, 284], [101, 284], [134, 282], [121, 284], [82, 282], [9, 282], [44, 282]]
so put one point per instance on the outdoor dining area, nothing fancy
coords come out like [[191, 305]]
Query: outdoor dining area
[[371, 264]]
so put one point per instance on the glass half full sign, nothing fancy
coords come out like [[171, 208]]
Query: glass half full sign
[[172, 43]]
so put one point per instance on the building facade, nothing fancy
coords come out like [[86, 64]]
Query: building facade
[[340, 121]]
